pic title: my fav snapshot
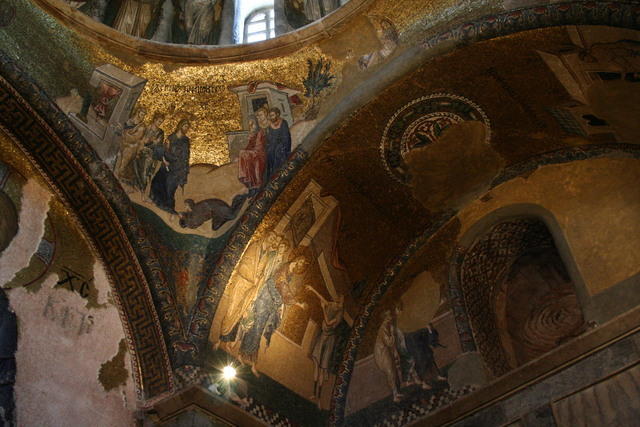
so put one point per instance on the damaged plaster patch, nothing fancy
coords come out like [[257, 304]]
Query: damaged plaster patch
[[113, 373], [62, 345], [33, 213]]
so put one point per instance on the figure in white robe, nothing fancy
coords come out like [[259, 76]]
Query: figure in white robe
[[202, 21]]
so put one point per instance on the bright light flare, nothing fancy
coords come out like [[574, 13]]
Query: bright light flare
[[228, 373]]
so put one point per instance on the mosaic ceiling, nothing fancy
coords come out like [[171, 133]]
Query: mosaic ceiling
[[269, 203]]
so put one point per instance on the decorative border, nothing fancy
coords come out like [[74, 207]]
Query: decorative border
[[385, 139], [101, 209], [612, 13]]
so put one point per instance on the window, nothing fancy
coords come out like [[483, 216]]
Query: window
[[259, 25]]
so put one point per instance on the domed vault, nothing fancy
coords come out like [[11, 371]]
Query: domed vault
[[385, 212]]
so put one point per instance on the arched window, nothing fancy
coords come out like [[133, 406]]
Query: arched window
[[259, 25]]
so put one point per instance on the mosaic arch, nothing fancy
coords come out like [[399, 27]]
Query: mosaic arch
[[624, 15], [485, 267], [62, 157], [467, 341], [197, 327]]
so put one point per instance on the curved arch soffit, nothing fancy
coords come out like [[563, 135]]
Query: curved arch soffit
[[169, 52], [522, 211], [520, 221], [610, 13], [103, 212], [624, 15], [567, 155], [483, 227]]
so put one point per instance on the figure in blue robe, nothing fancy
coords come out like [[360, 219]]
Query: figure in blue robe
[[277, 293], [173, 170], [278, 143], [420, 345]]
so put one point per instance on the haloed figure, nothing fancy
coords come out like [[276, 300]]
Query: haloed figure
[[131, 142], [135, 17], [277, 293], [202, 21], [174, 169], [278, 142], [386, 354], [322, 354], [253, 159], [150, 153]]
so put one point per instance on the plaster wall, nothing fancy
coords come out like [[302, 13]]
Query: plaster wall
[[72, 365], [60, 353], [597, 209], [599, 390]]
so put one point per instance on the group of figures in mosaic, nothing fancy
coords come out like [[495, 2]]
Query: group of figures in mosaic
[[196, 22]]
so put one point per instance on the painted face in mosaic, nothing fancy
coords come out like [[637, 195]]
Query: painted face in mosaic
[[283, 246], [299, 265], [263, 120], [274, 116], [140, 115], [271, 240], [185, 127]]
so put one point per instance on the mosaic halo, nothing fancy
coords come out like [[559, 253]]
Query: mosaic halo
[[420, 123]]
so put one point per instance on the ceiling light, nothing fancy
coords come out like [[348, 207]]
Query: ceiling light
[[228, 373]]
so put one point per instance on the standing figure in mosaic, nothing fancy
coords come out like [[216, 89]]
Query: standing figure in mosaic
[[131, 143], [386, 354], [202, 21], [252, 161], [138, 17], [332, 312], [420, 345], [303, 12], [278, 292], [150, 154], [174, 169], [317, 9], [278, 142], [257, 260]]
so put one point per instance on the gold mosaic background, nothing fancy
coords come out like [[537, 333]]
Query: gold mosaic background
[[216, 110]]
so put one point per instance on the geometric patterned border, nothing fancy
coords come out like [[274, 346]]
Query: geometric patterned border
[[100, 208]]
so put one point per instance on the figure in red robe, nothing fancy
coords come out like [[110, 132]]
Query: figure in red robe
[[253, 159]]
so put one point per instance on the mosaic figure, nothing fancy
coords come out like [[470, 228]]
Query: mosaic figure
[[131, 142], [258, 262], [202, 20], [420, 345], [333, 312], [386, 352], [253, 159], [278, 142], [135, 17], [147, 160], [174, 169], [277, 293]]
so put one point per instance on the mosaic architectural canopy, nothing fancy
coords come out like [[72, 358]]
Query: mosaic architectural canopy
[[375, 212]]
